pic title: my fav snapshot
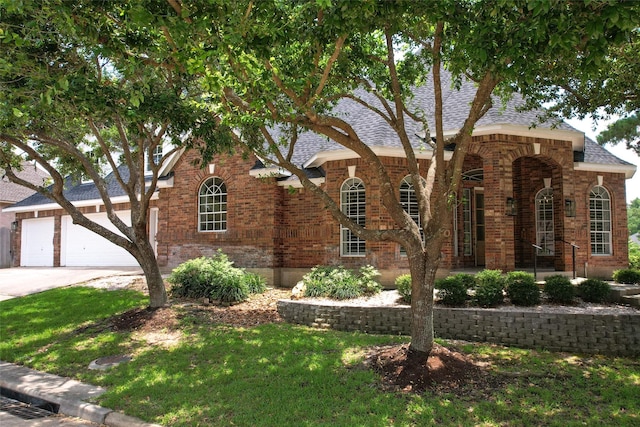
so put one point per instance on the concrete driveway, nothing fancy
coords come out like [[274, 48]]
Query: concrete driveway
[[20, 281]]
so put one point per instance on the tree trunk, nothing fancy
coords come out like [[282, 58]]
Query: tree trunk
[[149, 264], [423, 273]]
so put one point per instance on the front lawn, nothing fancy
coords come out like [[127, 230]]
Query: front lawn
[[189, 369]]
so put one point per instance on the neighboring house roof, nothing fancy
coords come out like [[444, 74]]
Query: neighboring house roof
[[11, 192]]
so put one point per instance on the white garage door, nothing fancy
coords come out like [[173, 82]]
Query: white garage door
[[37, 242], [84, 248]]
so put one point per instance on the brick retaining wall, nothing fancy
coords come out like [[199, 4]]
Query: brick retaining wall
[[615, 334]]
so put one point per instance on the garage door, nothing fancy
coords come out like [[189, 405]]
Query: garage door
[[84, 248], [37, 242]]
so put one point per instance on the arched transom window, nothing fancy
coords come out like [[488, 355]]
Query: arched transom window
[[353, 204], [544, 221], [600, 220], [212, 205]]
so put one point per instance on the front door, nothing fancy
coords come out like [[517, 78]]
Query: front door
[[479, 229]]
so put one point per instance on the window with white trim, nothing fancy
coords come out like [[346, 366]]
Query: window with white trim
[[545, 237], [467, 236], [156, 156], [212, 205], [600, 220], [353, 204], [409, 203]]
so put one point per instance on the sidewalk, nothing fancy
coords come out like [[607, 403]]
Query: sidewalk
[[71, 395]]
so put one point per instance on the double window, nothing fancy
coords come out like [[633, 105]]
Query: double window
[[600, 221], [212, 205], [353, 204]]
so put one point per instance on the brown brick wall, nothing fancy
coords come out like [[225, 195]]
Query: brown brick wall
[[250, 237]]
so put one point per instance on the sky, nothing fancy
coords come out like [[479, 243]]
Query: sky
[[620, 151]]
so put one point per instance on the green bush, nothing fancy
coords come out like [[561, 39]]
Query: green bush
[[634, 255], [469, 280], [255, 283], [559, 289], [522, 289], [594, 290], [340, 283], [489, 288], [452, 290], [403, 285], [214, 277], [627, 276]]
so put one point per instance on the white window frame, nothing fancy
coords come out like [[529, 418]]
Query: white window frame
[[409, 203], [545, 227], [467, 223], [600, 221], [353, 204], [156, 156], [212, 205]]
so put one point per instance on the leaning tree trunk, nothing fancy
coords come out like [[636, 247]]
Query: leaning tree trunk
[[423, 274], [149, 264]]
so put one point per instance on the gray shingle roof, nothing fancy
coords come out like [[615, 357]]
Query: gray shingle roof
[[11, 192], [75, 192], [373, 130]]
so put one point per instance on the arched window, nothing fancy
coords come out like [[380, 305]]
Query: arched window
[[600, 220], [545, 237], [353, 204], [212, 205], [409, 203]]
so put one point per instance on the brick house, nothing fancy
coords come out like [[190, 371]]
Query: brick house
[[524, 187]]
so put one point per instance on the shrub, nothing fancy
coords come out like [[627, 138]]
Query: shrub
[[255, 283], [453, 290], [340, 283], [403, 285], [522, 289], [469, 280], [489, 288], [627, 276], [559, 289], [634, 255], [214, 277], [594, 290]]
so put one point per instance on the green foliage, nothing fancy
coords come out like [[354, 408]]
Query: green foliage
[[522, 288], [634, 254], [633, 216], [215, 278], [625, 130], [489, 288], [255, 283], [627, 276], [340, 283], [452, 290], [594, 290], [403, 285], [559, 289]]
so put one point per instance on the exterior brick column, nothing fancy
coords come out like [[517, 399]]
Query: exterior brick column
[[499, 227]]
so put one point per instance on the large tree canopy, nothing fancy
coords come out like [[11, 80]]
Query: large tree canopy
[[83, 109], [274, 71]]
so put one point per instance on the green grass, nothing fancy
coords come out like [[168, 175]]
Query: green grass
[[285, 375]]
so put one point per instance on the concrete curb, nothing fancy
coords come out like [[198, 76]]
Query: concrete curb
[[24, 380]]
